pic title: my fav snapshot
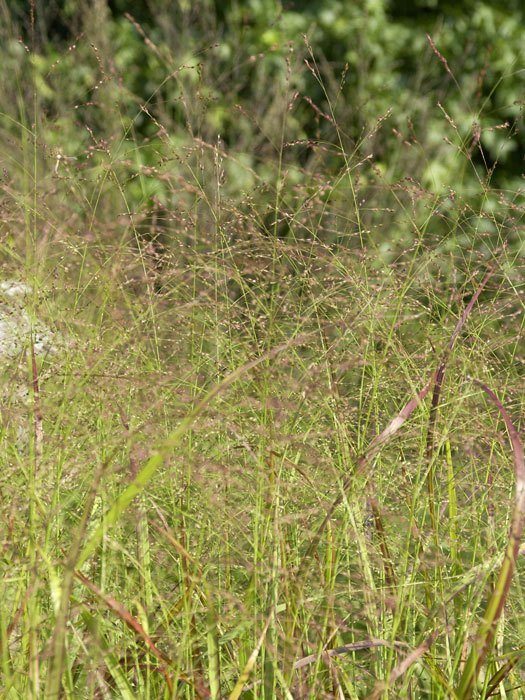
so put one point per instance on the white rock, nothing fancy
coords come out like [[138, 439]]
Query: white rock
[[15, 289], [17, 329]]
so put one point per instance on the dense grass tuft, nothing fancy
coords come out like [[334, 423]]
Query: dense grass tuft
[[269, 454]]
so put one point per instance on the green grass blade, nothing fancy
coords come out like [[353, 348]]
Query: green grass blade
[[487, 627]]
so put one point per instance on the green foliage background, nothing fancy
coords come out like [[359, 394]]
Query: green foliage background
[[418, 103]]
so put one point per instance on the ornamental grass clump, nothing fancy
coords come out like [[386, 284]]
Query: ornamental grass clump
[[261, 331]]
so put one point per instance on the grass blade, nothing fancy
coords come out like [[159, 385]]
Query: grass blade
[[80, 551], [345, 649], [124, 614], [397, 422], [212, 640], [245, 675], [403, 666], [487, 627], [157, 459], [500, 675], [438, 381]]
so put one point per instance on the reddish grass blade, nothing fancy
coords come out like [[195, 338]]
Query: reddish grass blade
[[396, 423], [386, 557], [20, 610], [487, 628], [131, 622], [500, 675], [438, 380], [403, 667], [345, 649], [125, 616], [363, 461]]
